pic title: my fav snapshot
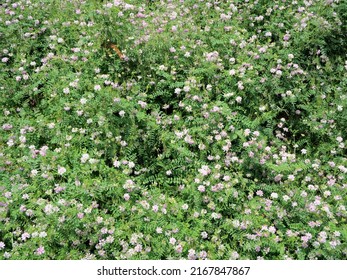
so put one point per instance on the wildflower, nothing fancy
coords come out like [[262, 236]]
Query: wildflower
[[61, 170], [51, 125], [84, 158], [204, 170], [179, 248], [178, 91], [259, 193], [291, 177], [25, 236], [83, 101], [155, 208], [185, 206], [172, 241], [203, 255], [97, 87], [272, 229], [234, 255], [238, 99], [80, 215], [191, 254], [274, 195], [40, 250], [186, 88]]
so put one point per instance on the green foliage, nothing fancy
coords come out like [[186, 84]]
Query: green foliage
[[219, 132]]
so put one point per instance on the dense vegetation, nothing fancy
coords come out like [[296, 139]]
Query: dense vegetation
[[216, 131]]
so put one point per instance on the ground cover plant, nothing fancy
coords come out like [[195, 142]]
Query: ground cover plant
[[173, 129]]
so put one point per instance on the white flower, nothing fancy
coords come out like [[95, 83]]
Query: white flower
[[42, 234], [172, 240], [97, 87], [51, 125], [204, 170], [274, 195], [291, 177], [232, 72], [61, 170], [84, 158], [262, 108], [238, 99], [186, 88], [201, 188], [178, 91]]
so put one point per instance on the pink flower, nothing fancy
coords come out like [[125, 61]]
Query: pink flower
[[205, 170], [203, 255], [172, 240], [25, 236], [155, 208], [185, 206], [259, 193], [40, 250], [179, 248], [191, 254], [61, 170], [97, 87], [201, 188], [80, 215]]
